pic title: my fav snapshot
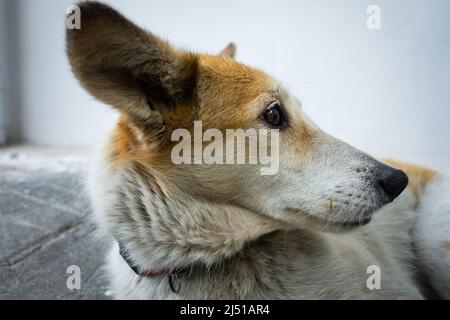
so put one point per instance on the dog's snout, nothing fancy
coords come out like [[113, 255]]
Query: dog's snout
[[393, 181]]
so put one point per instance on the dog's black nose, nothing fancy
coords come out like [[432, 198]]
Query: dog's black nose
[[393, 181]]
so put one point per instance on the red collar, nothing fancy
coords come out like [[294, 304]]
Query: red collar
[[173, 275], [156, 272]]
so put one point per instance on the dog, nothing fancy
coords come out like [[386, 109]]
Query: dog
[[332, 223]]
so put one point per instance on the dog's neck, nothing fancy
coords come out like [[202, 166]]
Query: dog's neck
[[163, 228]]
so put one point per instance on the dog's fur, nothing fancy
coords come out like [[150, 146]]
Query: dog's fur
[[241, 235]]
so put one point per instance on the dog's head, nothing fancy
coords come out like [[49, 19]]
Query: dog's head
[[158, 89]]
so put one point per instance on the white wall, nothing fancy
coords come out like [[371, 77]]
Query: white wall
[[8, 78], [385, 91], [3, 72]]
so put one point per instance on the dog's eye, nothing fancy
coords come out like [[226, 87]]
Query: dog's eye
[[274, 116]]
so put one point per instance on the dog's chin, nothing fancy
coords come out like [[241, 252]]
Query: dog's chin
[[323, 224], [337, 226]]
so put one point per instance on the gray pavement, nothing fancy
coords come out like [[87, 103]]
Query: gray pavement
[[43, 230]]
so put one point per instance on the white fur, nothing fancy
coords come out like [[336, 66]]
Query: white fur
[[432, 234]]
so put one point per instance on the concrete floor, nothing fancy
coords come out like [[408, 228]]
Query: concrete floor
[[43, 227]]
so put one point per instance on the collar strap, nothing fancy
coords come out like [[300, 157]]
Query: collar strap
[[174, 275]]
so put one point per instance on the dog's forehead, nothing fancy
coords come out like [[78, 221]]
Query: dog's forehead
[[234, 77], [230, 90]]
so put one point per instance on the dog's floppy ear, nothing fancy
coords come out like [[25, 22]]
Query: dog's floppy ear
[[127, 67], [229, 52]]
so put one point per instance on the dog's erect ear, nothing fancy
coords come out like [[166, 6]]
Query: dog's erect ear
[[229, 52], [127, 67]]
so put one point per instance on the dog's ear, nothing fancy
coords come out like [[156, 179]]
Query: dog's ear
[[127, 67], [229, 52]]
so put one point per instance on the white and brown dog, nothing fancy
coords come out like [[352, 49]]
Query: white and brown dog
[[199, 231]]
